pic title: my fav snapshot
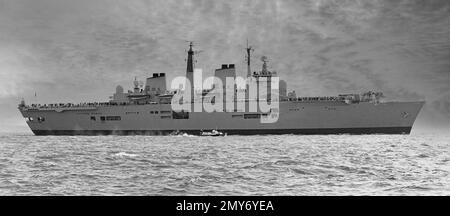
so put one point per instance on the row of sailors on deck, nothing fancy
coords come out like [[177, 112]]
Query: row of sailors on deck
[[316, 99], [76, 105], [124, 103]]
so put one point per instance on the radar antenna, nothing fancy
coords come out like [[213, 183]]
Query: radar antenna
[[135, 82], [264, 59]]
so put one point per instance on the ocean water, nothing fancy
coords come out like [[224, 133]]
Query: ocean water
[[233, 165]]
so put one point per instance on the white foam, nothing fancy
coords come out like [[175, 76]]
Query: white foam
[[124, 154], [188, 135]]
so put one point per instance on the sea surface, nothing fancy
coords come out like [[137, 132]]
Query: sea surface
[[232, 165]]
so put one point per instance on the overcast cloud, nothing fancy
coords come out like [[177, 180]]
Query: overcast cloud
[[72, 51]]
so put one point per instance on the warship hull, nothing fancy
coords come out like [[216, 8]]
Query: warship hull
[[295, 117]]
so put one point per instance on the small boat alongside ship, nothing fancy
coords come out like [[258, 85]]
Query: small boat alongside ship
[[212, 133]]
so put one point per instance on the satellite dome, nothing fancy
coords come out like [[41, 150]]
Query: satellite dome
[[119, 89]]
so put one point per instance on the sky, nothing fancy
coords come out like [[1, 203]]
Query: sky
[[76, 51]]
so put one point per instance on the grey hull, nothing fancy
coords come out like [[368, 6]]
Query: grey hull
[[376, 130], [294, 118]]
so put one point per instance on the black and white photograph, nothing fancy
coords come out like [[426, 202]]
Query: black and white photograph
[[224, 98]]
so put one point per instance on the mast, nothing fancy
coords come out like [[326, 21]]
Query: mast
[[249, 48], [190, 60], [190, 71]]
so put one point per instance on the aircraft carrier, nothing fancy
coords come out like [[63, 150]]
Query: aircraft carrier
[[147, 110]]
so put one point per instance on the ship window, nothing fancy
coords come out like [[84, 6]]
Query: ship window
[[180, 115], [156, 112], [113, 118], [40, 119], [102, 118], [236, 116], [166, 117], [93, 118], [166, 112], [252, 116], [151, 112]]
